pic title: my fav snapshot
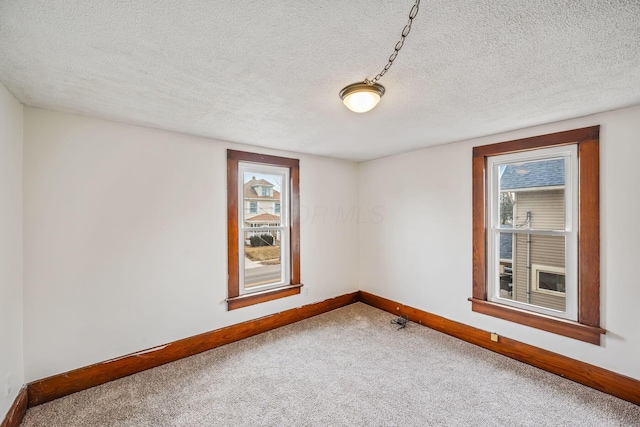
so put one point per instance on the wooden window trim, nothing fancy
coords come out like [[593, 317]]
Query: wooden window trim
[[587, 328], [235, 300]]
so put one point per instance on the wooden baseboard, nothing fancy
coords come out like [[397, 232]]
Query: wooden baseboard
[[592, 376], [17, 410], [60, 385]]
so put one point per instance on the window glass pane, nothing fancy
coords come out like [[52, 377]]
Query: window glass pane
[[551, 281], [532, 195], [262, 258], [261, 199], [505, 267], [539, 270]]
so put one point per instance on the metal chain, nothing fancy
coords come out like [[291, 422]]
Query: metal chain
[[394, 55]]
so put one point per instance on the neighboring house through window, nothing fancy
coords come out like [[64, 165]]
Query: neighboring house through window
[[263, 236], [536, 232], [538, 225]]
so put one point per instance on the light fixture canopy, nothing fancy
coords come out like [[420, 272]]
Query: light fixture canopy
[[361, 97]]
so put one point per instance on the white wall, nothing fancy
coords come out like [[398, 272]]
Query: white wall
[[11, 361], [125, 238], [420, 253]]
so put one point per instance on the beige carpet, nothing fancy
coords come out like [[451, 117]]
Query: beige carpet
[[349, 367]]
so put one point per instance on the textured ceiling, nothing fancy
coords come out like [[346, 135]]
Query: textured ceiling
[[268, 72]]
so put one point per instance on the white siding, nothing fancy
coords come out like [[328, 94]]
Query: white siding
[[546, 207], [264, 206], [545, 250], [547, 212]]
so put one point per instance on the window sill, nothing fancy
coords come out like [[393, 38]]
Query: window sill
[[567, 328], [264, 296]]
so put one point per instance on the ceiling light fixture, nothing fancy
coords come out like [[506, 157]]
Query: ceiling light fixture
[[362, 96]]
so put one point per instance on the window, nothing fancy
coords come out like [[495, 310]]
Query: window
[[532, 201], [536, 232], [264, 247], [265, 192], [548, 279], [276, 208]]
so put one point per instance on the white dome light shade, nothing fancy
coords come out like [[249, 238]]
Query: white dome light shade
[[361, 97]]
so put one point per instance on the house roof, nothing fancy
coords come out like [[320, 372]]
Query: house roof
[[543, 173], [265, 217], [250, 192], [262, 182]]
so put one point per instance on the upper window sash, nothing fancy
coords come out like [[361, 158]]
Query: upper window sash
[[568, 152], [244, 167]]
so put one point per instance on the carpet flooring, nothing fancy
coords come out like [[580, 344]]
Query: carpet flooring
[[348, 367]]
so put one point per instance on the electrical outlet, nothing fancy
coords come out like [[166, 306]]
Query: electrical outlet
[[306, 290], [494, 337], [7, 385]]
